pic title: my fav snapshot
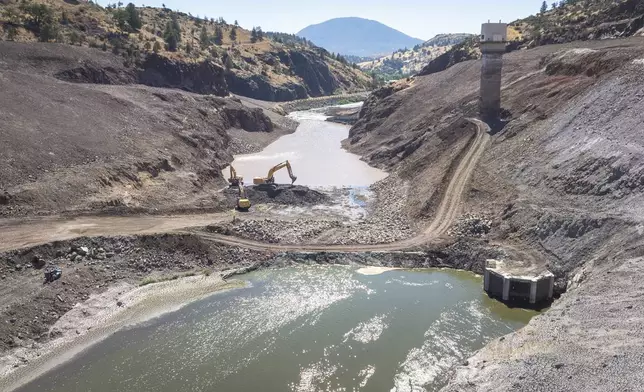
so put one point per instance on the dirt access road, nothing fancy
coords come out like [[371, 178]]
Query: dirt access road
[[16, 234]]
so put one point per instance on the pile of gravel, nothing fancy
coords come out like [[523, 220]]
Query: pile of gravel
[[387, 220], [470, 225], [277, 231]]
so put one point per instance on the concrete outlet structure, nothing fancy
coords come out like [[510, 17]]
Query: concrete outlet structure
[[493, 39], [502, 282]]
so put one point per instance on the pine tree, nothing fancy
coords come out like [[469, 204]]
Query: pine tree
[[219, 35], [233, 34], [544, 7], [203, 38], [120, 18], [172, 34], [133, 17], [253, 35]]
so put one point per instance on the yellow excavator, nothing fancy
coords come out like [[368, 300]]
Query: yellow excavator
[[243, 203], [270, 178], [234, 179]]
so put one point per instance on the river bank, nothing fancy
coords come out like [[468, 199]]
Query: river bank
[[101, 315]]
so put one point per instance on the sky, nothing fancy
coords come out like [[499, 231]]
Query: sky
[[419, 18]]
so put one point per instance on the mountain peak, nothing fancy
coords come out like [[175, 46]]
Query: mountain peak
[[357, 36]]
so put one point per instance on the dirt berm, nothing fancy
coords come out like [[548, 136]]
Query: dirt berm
[[76, 147], [290, 195], [562, 182]]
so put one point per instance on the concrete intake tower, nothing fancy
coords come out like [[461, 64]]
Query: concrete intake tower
[[493, 39]]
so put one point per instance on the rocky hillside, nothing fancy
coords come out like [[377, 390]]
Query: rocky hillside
[[105, 147], [562, 182], [406, 62], [569, 21], [357, 37], [173, 49]]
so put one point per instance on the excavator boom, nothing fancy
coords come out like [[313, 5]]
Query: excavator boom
[[234, 180], [270, 178]]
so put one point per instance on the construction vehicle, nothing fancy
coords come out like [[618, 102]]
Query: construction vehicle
[[270, 178], [243, 202], [234, 179]]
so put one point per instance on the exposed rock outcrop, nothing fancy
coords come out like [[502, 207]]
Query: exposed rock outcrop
[[315, 73], [204, 78], [316, 77], [92, 72], [259, 87], [459, 53]]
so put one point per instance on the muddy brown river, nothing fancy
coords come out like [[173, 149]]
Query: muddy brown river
[[301, 328], [316, 154]]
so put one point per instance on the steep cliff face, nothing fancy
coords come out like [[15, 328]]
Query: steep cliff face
[[309, 75], [313, 77], [260, 87], [315, 73], [204, 77]]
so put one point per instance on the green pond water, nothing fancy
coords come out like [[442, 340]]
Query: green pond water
[[303, 328]]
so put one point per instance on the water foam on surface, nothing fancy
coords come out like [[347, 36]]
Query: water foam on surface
[[368, 331], [444, 347], [371, 271]]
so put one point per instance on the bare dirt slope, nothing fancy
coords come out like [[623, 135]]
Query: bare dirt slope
[[571, 148], [563, 180], [77, 147]]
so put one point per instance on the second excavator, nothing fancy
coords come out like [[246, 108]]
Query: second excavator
[[234, 179], [270, 178]]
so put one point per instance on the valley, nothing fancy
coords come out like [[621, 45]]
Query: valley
[[115, 166]]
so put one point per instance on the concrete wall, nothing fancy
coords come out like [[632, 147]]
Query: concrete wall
[[544, 291], [494, 32], [493, 38], [517, 289], [490, 96], [494, 285]]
